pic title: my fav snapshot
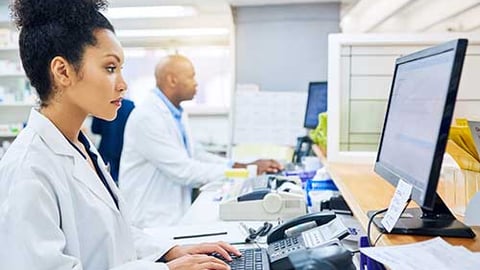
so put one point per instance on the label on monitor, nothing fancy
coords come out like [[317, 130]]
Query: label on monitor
[[397, 204]]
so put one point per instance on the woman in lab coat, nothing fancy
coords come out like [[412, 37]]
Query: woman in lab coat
[[59, 208]]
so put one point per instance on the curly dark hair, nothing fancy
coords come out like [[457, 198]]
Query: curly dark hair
[[50, 28]]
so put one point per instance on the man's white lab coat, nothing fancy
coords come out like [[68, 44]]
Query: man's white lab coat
[[55, 213], [157, 172]]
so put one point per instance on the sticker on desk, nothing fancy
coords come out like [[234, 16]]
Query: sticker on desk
[[397, 204]]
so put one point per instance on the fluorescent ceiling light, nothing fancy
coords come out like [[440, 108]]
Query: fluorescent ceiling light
[[179, 32], [150, 12]]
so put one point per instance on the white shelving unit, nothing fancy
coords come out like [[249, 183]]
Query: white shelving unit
[[359, 79], [15, 89]]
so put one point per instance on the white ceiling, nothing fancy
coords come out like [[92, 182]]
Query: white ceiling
[[357, 16], [412, 16], [281, 2]]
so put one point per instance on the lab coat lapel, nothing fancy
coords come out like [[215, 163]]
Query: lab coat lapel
[[108, 177], [60, 146], [164, 109], [82, 172], [188, 133]]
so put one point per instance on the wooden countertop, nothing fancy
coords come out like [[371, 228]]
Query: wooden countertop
[[364, 191]]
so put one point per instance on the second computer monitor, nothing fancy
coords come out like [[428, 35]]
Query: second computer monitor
[[316, 103]]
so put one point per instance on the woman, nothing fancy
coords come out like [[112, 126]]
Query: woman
[[59, 208]]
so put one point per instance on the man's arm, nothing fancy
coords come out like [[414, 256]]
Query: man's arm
[[159, 148]]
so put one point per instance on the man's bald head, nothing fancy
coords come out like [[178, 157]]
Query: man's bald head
[[175, 77]]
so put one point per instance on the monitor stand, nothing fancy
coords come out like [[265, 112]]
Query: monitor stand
[[419, 221]]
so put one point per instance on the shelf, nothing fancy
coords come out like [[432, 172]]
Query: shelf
[[6, 24], [13, 75], [8, 135], [19, 104], [9, 49]]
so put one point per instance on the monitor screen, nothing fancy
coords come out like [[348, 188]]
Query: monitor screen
[[316, 103], [417, 122]]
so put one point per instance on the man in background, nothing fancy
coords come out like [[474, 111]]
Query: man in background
[[160, 162], [111, 143]]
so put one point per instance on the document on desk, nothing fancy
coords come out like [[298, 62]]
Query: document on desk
[[431, 254]]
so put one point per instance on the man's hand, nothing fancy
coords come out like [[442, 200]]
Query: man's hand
[[222, 248], [267, 166], [263, 166]]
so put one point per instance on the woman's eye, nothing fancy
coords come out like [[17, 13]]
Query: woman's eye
[[111, 69]]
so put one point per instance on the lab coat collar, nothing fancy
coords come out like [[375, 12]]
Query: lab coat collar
[[157, 101], [176, 112], [82, 171], [50, 134]]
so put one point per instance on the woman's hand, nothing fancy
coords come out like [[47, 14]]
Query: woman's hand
[[197, 262], [222, 248]]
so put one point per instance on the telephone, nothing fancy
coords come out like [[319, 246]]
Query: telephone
[[303, 148], [263, 204], [279, 197], [332, 257], [306, 232], [307, 241]]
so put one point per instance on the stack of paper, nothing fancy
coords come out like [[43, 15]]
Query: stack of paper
[[432, 254], [463, 144]]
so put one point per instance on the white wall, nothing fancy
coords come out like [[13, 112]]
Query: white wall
[[284, 47]]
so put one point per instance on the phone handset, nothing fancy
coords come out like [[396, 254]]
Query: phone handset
[[278, 232]]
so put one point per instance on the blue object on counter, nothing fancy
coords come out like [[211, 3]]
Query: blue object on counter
[[303, 175], [365, 261], [319, 185]]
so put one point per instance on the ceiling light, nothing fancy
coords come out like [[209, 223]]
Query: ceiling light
[[179, 32], [150, 12]]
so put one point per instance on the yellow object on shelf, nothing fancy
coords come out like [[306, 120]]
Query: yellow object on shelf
[[462, 180], [462, 157], [236, 173], [319, 134]]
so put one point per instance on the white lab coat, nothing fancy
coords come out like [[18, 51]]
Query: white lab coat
[[156, 171], [55, 213]]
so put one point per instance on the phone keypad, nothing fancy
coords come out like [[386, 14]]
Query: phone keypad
[[282, 248]]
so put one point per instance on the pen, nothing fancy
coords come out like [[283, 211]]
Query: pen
[[198, 235]]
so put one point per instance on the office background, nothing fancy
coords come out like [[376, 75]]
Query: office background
[[276, 45]]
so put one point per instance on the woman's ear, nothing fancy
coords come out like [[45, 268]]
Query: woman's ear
[[62, 72]]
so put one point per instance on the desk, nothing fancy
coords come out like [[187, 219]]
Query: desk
[[364, 190]]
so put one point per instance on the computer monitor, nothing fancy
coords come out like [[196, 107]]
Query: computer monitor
[[415, 132], [316, 103]]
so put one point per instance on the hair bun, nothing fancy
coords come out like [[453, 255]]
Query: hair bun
[[27, 13]]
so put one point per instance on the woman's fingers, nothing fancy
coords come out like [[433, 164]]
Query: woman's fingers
[[197, 262], [229, 248]]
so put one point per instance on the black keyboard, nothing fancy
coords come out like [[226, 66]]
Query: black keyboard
[[251, 259]]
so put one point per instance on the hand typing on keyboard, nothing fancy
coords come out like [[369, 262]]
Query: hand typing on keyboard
[[197, 262], [194, 257], [251, 259]]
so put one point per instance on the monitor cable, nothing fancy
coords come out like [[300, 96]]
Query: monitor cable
[[370, 224]]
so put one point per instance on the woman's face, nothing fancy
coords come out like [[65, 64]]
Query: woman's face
[[99, 86]]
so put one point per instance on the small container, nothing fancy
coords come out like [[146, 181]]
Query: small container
[[235, 182], [236, 173], [320, 187], [311, 163]]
